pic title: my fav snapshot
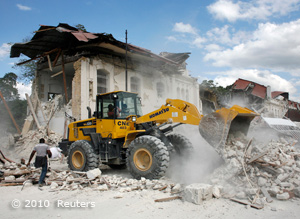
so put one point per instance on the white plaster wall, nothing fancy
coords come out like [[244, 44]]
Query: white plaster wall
[[148, 80]]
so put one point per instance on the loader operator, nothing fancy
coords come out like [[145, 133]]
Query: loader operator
[[41, 150], [111, 111]]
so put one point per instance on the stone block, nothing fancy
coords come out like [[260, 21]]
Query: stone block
[[197, 193], [274, 190], [93, 174], [216, 191], [8, 178], [297, 192], [102, 187], [283, 196], [262, 181], [53, 185], [282, 177]]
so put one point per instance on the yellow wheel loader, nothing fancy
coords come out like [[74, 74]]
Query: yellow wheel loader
[[120, 136]]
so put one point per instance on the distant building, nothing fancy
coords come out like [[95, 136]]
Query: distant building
[[260, 98]]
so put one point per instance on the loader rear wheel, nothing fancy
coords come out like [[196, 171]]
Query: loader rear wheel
[[147, 157], [81, 156]]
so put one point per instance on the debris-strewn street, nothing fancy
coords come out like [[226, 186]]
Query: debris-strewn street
[[260, 180]]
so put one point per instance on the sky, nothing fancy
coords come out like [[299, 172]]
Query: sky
[[256, 40]]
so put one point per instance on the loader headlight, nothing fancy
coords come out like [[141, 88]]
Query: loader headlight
[[134, 119]]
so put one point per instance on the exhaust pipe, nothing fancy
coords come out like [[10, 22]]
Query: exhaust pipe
[[89, 112]]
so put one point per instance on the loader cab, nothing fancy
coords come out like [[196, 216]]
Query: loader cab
[[118, 105]]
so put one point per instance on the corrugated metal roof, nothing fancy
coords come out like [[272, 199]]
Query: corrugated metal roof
[[72, 41]]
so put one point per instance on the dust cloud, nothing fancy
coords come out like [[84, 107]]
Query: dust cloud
[[197, 166]]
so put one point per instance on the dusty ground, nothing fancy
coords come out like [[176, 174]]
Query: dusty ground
[[87, 203], [42, 203]]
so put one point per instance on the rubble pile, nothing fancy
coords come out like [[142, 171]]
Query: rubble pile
[[26, 143], [259, 172], [57, 180]]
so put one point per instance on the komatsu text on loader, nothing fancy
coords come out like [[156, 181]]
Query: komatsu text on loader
[[119, 135]]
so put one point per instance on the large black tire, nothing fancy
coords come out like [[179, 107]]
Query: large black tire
[[180, 157], [181, 145], [148, 157], [81, 156]]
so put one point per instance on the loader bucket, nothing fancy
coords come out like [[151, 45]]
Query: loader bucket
[[216, 127]]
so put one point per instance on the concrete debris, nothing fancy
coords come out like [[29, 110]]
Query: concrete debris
[[255, 171], [93, 174], [198, 192]]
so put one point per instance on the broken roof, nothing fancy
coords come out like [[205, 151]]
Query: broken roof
[[257, 89], [280, 93], [73, 41]]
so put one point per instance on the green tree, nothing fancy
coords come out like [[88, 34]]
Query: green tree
[[80, 27], [27, 70], [17, 106], [8, 86]]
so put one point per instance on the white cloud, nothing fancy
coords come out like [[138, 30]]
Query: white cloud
[[198, 41], [23, 7], [4, 50], [184, 28], [213, 47], [272, 46], [22, 89], [257, 9], [171, 38]]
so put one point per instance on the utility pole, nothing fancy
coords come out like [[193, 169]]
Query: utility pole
[[126, 73]]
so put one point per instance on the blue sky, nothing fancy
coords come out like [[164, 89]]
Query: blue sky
[[256, 40]]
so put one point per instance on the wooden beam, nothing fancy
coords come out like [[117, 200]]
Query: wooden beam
[[33, 112], [247, 203], [49, 62], [64, 76], [10, 114], [58, 73], [40, 56], [40, 105], [167, 199], [56, 58]]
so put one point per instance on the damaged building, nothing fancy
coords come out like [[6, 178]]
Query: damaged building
[[274, 104], [78, 65]]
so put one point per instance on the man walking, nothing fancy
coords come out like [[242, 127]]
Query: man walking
[[41, 150]]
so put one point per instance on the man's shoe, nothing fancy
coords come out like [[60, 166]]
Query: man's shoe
[[40, 185]]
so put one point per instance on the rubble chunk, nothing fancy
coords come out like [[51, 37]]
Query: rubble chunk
[[197, 193], [283, 196], [92, 174]]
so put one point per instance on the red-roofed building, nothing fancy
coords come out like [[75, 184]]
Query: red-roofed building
[[259, 97]]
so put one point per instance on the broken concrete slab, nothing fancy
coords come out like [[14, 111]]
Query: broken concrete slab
[[198, 192]]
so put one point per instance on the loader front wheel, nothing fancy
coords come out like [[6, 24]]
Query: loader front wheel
[[81, 156], [181, 144], [180, 156], [147, 157]]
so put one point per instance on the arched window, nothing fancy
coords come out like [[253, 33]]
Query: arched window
[[102, 81], [160, 88], [135, 84]]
